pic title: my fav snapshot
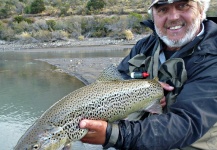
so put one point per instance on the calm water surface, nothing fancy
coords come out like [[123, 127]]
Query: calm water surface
[[28, 87]]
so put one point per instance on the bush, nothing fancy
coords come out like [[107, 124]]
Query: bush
[[99, 29], [37, 6], [60, 25], [93, 5], [128, 35], [73, 26], [134, 20], [21, 27], [7, 34], [81, 37], [4, 13], [40, 25], [24, 36], [43, 35], [27, 9], [64, 9], [60, 35], [18, 19], [51, 24]]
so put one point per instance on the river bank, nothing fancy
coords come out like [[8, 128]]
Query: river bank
[[85, 69], [69, 43]]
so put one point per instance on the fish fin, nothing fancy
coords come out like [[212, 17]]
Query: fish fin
[[156, 79], [110, 73], [78, 145], [155, 108], [67, 147]]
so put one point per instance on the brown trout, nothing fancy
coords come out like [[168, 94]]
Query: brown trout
[[109, 98]]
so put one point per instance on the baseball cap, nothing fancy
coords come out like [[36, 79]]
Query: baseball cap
[[164, 2]]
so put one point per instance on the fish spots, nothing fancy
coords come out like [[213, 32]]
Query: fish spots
[[107, 100]]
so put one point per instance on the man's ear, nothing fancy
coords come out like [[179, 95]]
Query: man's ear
[[201, 8]]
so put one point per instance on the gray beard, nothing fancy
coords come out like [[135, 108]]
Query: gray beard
[[190, 35]]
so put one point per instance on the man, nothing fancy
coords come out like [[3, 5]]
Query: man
[[182, 51]]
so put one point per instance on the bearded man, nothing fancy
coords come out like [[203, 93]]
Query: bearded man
[[182, 53]]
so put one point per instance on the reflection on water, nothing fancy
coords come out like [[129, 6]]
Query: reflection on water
[[28, 87]]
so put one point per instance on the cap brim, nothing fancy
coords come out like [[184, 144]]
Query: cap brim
[[164, 2]]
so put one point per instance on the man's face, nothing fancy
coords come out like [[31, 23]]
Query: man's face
[[177, 23]]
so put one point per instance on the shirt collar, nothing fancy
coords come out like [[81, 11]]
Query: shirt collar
[[202, 31]]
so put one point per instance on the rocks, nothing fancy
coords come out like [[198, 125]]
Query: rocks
[[85, 69], [17, 45]]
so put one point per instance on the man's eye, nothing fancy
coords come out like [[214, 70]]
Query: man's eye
[[162, 10], [183, 6]]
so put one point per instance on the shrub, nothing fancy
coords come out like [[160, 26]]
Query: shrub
[[128, 34], [73, 26], [118, 26], [27, 9], [60, 35], [18, 19], [7, 34], [52, 10], [87, 25], [134, 20], [20, 27], [37, 6], [3, 13], [40, 25], [64, 9], [43, 35], [51, 24], [95, 5], [29, 20], [81, 37], [24, 36]]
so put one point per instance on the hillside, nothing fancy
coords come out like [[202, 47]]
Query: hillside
[[9, 8], [63, 19]]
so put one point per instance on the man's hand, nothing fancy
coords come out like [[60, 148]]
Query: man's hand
[[96, 133], [166, 87]]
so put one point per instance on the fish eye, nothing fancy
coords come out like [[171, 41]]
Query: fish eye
[[35, 147]]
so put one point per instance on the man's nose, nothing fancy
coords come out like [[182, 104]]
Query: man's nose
[[173, 14]]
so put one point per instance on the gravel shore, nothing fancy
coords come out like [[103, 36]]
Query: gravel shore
[[85, 69], [69, 43]]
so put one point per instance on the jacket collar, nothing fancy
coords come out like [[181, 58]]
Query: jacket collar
[[209, 42], [148, 23]]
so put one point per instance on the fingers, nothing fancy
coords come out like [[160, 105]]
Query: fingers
[[163, 102], [94, 125], [166, 86], [96, 133]]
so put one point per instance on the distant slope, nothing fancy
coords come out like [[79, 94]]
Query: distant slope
[[212, 10]]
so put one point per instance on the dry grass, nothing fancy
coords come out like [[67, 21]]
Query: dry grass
[[128, 35]]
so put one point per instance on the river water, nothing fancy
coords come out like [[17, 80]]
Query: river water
[[28, 87]]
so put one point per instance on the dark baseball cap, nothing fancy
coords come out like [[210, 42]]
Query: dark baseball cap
[[164, 2]]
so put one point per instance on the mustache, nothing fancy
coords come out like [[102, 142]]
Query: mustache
[[174, 23]]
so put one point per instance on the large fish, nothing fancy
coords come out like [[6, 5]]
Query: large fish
[[109, 98]]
